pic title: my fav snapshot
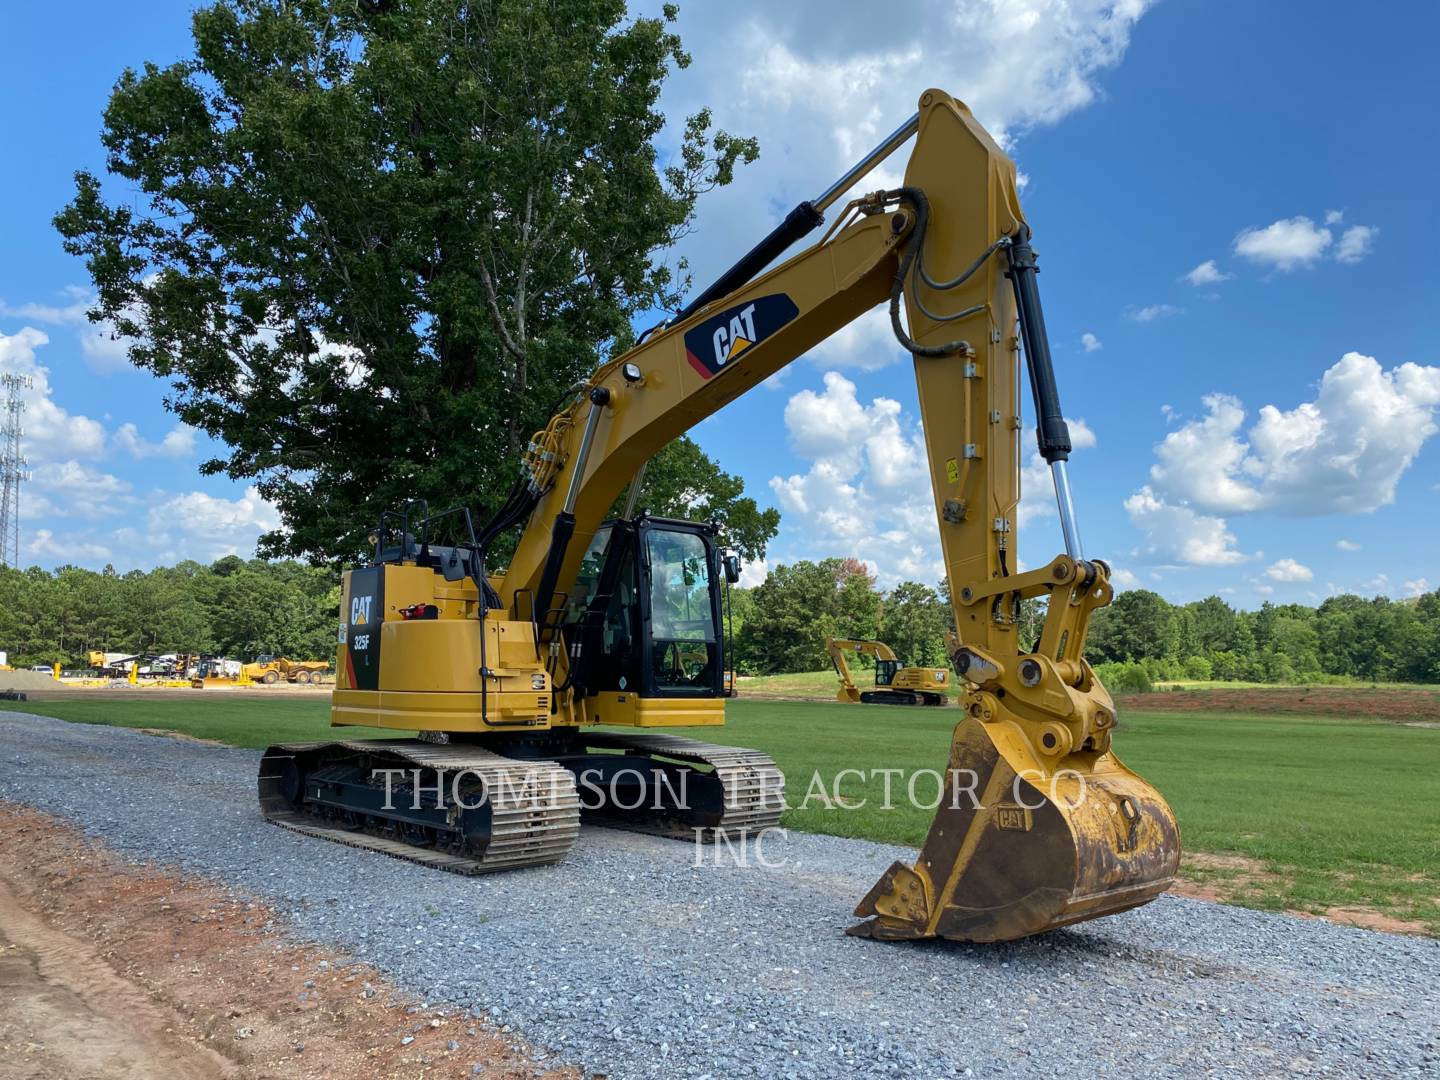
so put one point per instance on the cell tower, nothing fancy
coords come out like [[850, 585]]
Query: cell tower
[[12, 467]]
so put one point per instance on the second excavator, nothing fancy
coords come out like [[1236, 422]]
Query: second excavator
[[896, 683], [537, 687]]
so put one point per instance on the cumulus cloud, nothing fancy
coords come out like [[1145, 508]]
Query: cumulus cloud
[[48, 547], [863, 345], [1153, 312], [819, 96], [867, 491], [232, 524], [1207, 273], [105, 350], [1347, 545], [179, 442], [1289, 570], [861, 494], [1418, 587], [1090, 342], [1355, 243], [76, 303], [54, 435], [51, 432], [1334, 217], [1344, 452], [70, 489], [1178, 534], [1298, 243], [1284, 245], [1124, 579]]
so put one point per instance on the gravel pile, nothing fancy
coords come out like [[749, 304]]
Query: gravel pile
[[634, 962]]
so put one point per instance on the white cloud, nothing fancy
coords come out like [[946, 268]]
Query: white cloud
[[1284, 245], [1091, 342], [51, 432], [1265, 590], [863, 345], [1289, 570], [1177, 534], [1037, 487], [754, 573], [1207, 273], [1344, 452], [179, 442], [1201, 461], [867, 490], [77, 303], [1296, 243], [67, 549], [1153, 312], [1347, 545], [207, 516], [105, 350], [819, 96], [1418, 587], [1355, 243], [1124, 579]]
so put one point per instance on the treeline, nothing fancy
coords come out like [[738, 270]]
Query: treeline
[[1141, 638], [230, 608], [1379, 640], [241, 609], [781, 625]]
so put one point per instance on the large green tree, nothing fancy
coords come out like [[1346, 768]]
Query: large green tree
[[914, 622], [369, 242], [1135, 625], [682, 482]]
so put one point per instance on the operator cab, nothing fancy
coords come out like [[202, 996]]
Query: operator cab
[[645, 613], [885, 671]]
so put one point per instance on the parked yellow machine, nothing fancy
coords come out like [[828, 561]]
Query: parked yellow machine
[[896, 683], [616, 621], [273, 669]]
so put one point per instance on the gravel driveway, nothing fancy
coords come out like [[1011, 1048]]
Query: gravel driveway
[[630, 960]]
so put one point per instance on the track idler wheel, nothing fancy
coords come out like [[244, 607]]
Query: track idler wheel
[[1018, 851]]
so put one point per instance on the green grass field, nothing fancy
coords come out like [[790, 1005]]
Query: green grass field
[[1317, 812]]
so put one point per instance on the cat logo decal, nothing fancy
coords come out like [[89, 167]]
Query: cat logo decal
[[712, 344]]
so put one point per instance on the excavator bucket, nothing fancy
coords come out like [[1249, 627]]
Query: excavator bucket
[[1015, 851]]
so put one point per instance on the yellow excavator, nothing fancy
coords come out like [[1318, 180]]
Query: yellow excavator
[[896, 683], [518, 678]]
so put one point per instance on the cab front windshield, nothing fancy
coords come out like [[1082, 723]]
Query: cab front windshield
[[682, 622]]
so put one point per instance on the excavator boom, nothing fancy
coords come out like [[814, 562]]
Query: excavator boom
[[615, 621]]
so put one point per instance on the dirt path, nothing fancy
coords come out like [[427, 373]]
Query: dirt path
[[113, 972], [1418, 707], [65, 1015]]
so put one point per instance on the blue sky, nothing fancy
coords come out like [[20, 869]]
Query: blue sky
[[1262, 428]]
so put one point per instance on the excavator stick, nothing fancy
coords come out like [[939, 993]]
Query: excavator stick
[[1009, 856]]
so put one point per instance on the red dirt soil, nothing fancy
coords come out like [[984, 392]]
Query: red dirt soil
[[115, 971], [1401, 706]]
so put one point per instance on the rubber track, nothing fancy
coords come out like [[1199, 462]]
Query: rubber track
[[754, 785], [535, 811]]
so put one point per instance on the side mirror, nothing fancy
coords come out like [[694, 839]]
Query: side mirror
[[730, 562]]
